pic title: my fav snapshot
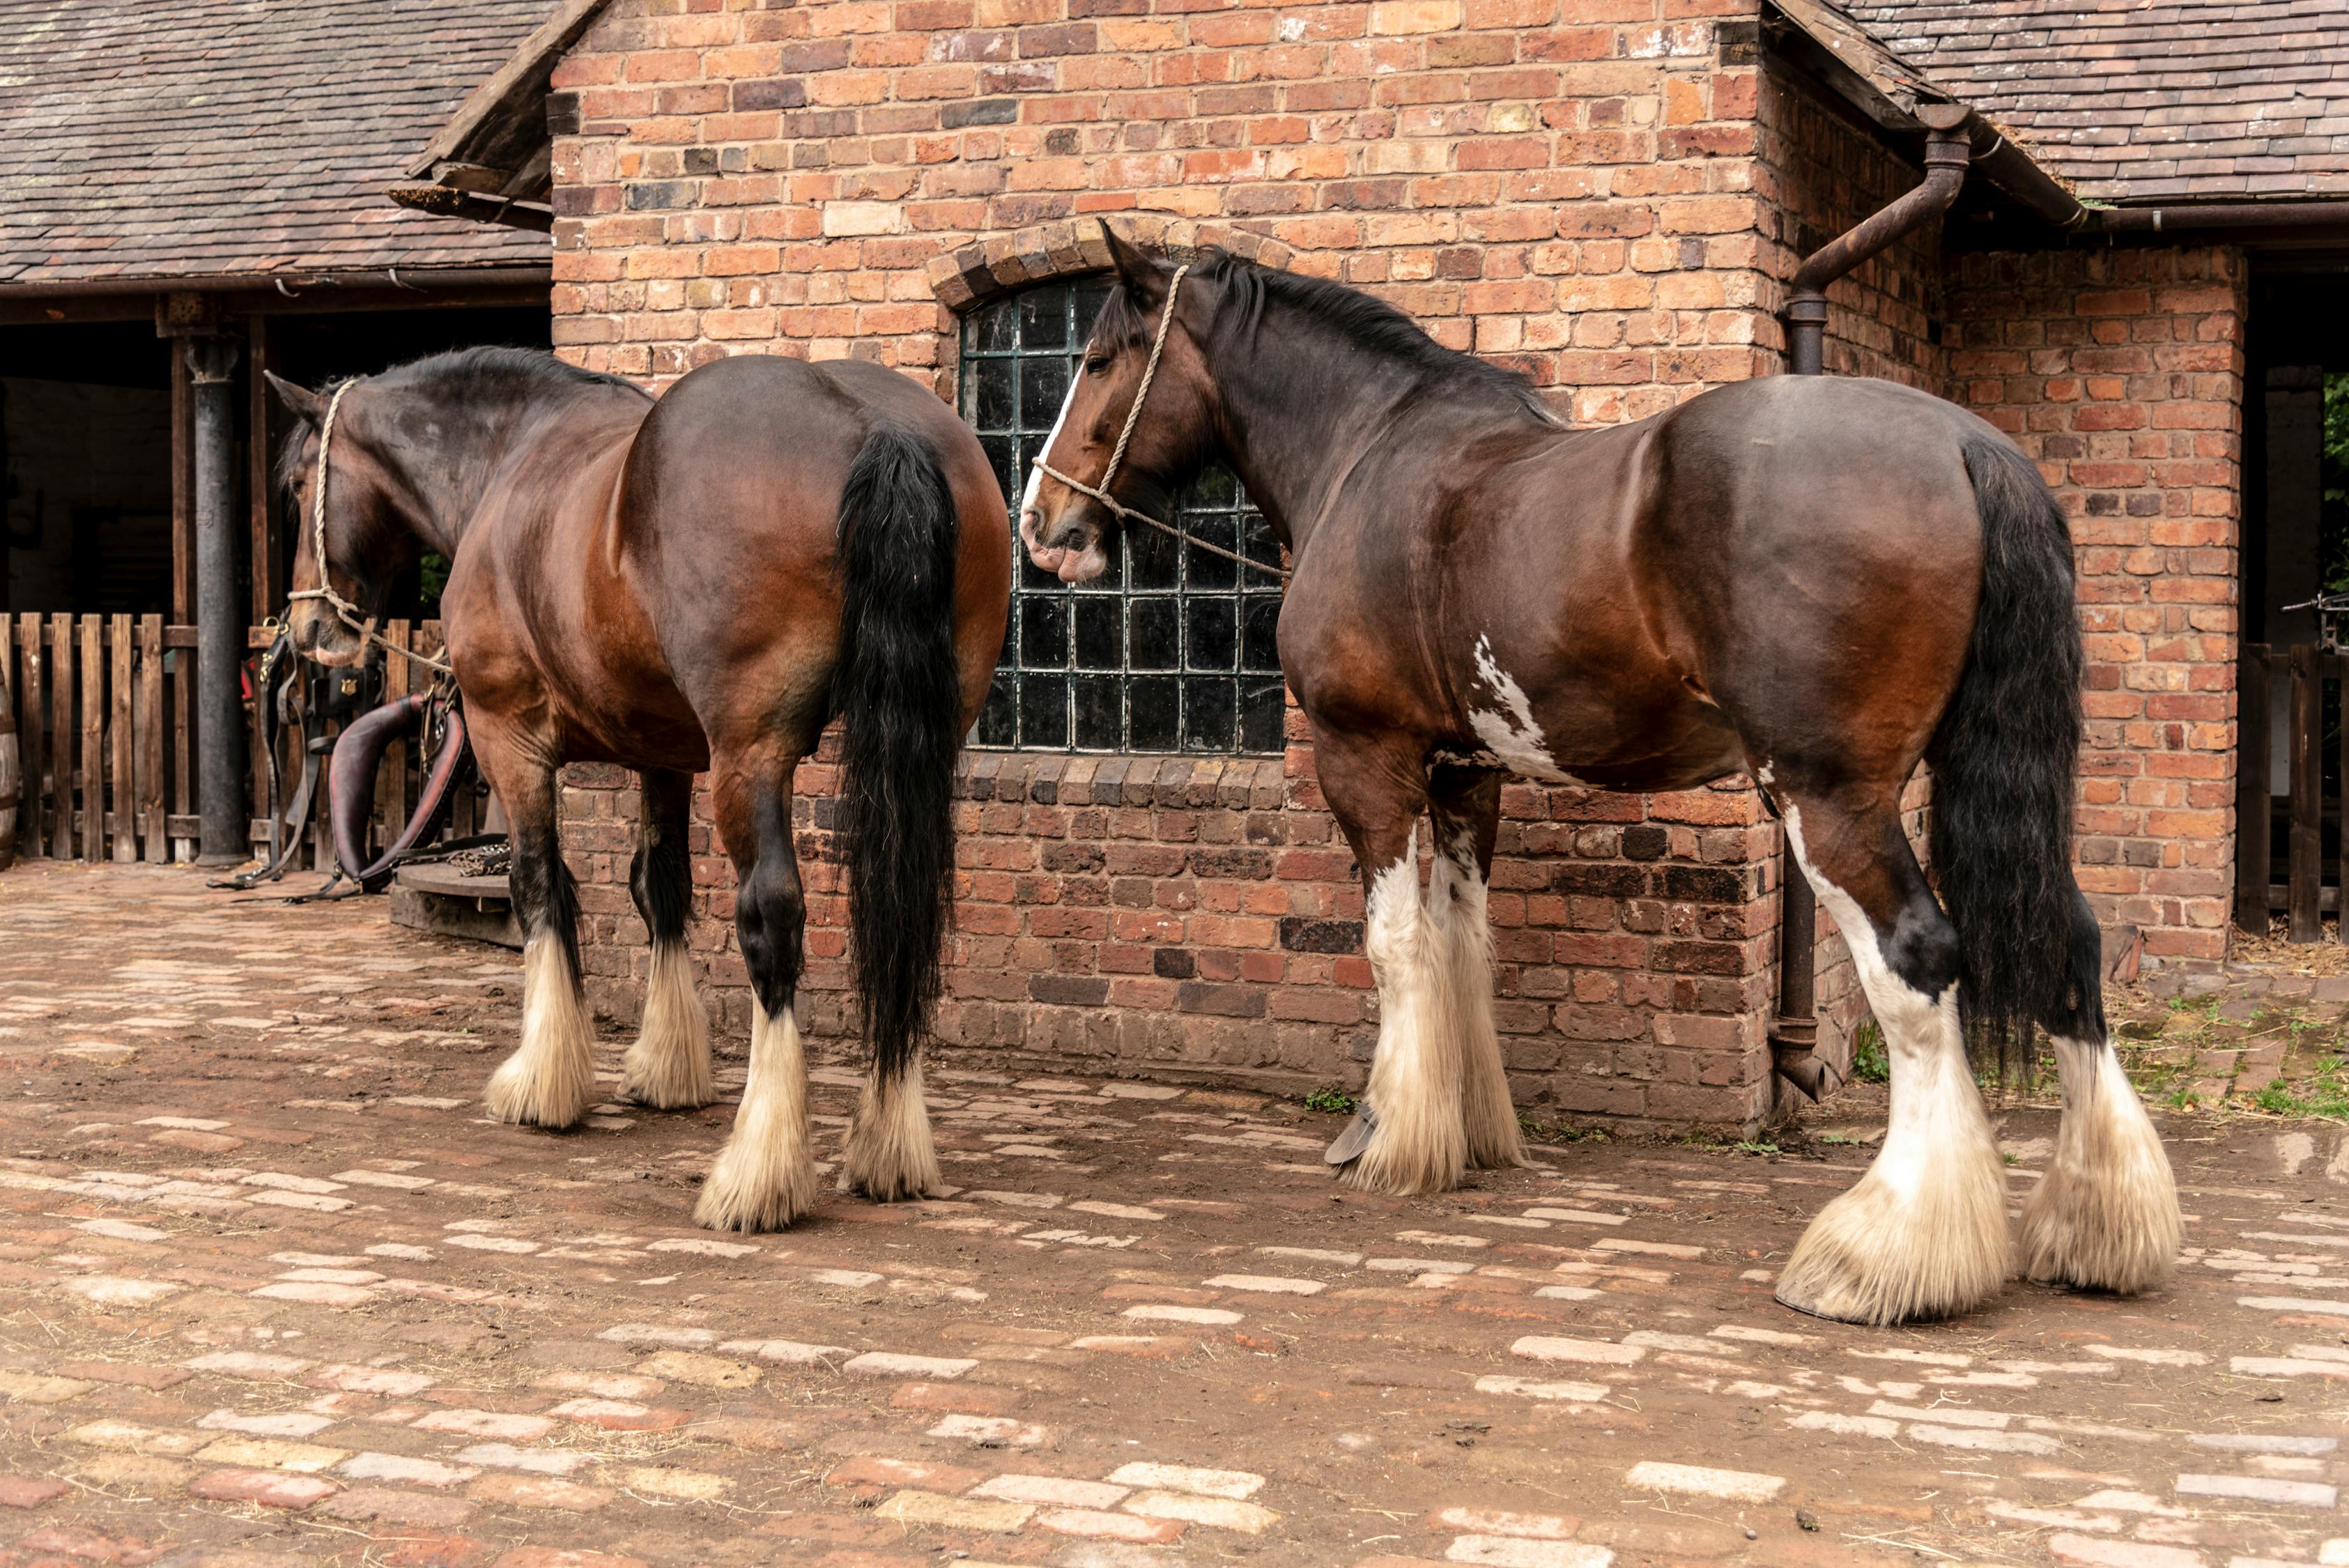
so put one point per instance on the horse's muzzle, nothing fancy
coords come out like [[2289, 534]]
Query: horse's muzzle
[[319, 635], [1073, 553]]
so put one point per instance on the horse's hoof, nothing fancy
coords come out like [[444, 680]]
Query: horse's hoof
[[518, 1097], [663, 1091], [755, 1192], [1350, 1143]]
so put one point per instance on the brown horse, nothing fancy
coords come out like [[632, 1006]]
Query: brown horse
[[1816, 582], [700, 583]]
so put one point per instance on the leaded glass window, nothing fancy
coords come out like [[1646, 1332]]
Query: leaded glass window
[[1170, 650]]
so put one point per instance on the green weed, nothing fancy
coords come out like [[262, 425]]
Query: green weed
[[1869, 1064], [1336, 1102]]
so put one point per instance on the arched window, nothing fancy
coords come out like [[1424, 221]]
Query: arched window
[[1172, 648]]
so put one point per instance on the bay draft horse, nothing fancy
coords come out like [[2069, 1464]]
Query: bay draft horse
[[695, 583], [1817, 582]]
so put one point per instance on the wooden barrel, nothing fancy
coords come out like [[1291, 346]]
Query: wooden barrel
[[11, 777]]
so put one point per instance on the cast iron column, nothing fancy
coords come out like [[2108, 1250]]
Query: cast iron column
[[220, 609]]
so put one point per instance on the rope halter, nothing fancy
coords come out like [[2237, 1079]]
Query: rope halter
[[1117, 456]]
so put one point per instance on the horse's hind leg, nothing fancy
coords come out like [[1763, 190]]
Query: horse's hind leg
[[550, 1080], [668, 1066], [2105, 1215], [1466, 809], [1410, 1137], [1924, 1232], [765, 1176]]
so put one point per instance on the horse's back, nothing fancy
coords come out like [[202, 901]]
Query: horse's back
[[1797, 531], [729, 519]]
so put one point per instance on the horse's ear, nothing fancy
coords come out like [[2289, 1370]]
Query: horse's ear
[[1144, 274], [305, 405]]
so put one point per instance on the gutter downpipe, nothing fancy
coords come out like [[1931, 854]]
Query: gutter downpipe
[[1948, 150]]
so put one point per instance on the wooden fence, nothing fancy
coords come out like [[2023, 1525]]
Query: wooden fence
[[105, 724], [2314, 862]]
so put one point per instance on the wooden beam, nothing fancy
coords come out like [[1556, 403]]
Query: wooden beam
[[183, 487], [261, 560], [444, 202], [321, 301], [505, 111], [65, 311]]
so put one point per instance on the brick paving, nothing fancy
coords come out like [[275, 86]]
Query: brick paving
[[271, 1292]]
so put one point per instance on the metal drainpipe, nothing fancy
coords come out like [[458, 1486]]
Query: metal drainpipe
[[220, 609], [1948, 150]]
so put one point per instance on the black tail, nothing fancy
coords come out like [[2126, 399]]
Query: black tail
[[899, 691], [2004, 760]]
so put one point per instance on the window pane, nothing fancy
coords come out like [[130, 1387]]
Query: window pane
[[1207, 721], [1171, 648], [1043, 632], [990, 382], [1259, 635], [1210, 636], [1043, 388], [1044, 710], [1100, 712], [999, 722], [1000, 457], [991, 332], [1101, 632], [1157, 635], [1262, 706], [1154, 705], [1043, 319], [1156, 557]]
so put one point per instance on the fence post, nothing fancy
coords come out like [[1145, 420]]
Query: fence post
[[32, 735], [61, 736], [151, 737], [2303, 900], [12, 790], [93, 738], [123, 833]]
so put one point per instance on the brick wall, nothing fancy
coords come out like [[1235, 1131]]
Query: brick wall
[[2121, 371], [1566, 185], [1562, 183]]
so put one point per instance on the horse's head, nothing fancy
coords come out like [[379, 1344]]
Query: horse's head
[[367, 528], [1067, 532]]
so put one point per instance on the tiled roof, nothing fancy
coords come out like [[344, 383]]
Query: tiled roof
[[2146, 99], [212, 138]]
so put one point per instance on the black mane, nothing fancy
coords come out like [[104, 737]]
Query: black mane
[[1370, 322], [492, 372]]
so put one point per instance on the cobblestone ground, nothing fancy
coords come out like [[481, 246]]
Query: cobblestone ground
[[271, 1292]]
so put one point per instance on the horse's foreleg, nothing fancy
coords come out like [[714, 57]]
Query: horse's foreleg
[[550, 1080], [765, 1176], [2105, 1215], [1409, 1136], [669, 1066], [1924, 1233], [1465, 812]]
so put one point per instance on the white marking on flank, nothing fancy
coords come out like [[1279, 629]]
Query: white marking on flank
[[1509, 733]]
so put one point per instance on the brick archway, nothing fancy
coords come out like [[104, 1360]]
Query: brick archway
[[1004, 264]]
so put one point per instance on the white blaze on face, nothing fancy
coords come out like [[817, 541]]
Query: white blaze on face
[[1070, 566], [1035, 473], [1509, 732]]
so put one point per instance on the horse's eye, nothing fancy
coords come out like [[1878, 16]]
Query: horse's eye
[[1096, 362]]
